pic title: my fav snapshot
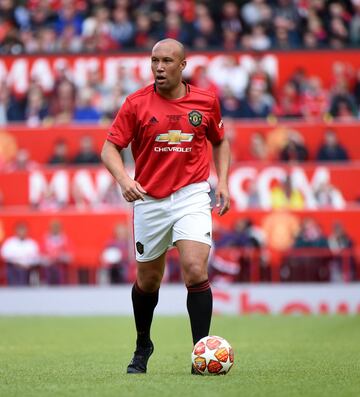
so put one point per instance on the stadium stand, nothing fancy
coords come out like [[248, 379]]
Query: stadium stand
[[67, 66]]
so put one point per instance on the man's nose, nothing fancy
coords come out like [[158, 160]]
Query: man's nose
[[160, 66]]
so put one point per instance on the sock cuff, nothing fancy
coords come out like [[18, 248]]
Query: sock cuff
[[200, 287], [142, 292]]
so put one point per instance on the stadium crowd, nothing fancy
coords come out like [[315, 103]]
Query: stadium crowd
[[67, 26], [303, 96], [303, 253], [49, 26]]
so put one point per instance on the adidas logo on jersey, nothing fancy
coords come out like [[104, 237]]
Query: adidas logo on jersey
[[153, 120]]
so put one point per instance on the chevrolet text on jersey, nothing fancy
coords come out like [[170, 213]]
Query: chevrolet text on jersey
[[172, 149]]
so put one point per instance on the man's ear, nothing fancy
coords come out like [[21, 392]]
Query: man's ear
[[183, 65]]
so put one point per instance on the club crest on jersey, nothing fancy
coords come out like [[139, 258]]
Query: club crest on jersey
[[174, 137], [195, 118]]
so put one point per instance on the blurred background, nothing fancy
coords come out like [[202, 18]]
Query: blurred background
[[287, 74]]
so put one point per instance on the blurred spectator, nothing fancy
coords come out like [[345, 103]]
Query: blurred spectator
[[357, 89], [315, 99], [331, 149], [258, 148], [343, 105], [294, 151], [231, 25], [200, 79], [122, 29], [21, 255], [300, 79], [175, 29], [61, 107], [69, 41], [284, 195], [309, 259], [115, 257], [286, 14], [255, 12], [280, 229], [87, 153], [11, 109], [68, 17], [56, 254], [343, 262], [327, 196], [310, 235], [36, 110], [338, 31], [112, 102], [253, 195], [342, 77], [315, 29], [243, 234], [205, 34], [125, 77], [21, 162], [8, 148], [282, 40], [84, 111], [230, 18], [257, 40], [289, 102], [310, 41], [232, 75], [276, 140], [144, 34], [46, 39], [60, 153], [355, 24], [338, 238], [230, 105], [255, 104], [96, 31]]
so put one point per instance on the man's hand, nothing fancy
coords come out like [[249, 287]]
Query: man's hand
[[132, 190], [222, 197]]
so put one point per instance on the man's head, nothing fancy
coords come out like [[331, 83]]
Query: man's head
[[167, 63], [330, 138], [21, 230]]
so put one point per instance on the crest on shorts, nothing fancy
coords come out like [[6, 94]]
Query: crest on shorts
[[195, 118], [139, 247]]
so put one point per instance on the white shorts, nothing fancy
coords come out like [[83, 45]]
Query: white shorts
[[159, 223]]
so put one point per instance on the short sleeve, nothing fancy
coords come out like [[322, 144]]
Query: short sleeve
[[215, 133], [123, 128]]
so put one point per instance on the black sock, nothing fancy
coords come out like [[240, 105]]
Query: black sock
[[199, 305], [144, 304]]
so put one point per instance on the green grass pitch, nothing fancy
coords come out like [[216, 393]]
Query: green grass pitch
[[87, 356]]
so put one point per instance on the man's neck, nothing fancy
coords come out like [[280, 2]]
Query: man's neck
[[178, 92]]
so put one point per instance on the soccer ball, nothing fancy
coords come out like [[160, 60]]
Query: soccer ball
[[212, 355]]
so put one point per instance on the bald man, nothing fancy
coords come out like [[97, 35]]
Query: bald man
[[168, 124]]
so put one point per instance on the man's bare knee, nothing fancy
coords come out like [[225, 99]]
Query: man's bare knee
[[194, 272], [150, 274], [149, 281]]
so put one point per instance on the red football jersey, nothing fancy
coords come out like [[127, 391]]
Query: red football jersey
[[168, 137]]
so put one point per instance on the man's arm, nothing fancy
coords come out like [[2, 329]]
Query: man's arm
[[221, 155], [110, 156]]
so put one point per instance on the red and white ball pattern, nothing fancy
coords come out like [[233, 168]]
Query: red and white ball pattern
[[212, 355]]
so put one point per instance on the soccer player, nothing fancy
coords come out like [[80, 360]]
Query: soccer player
[[168, 124]]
